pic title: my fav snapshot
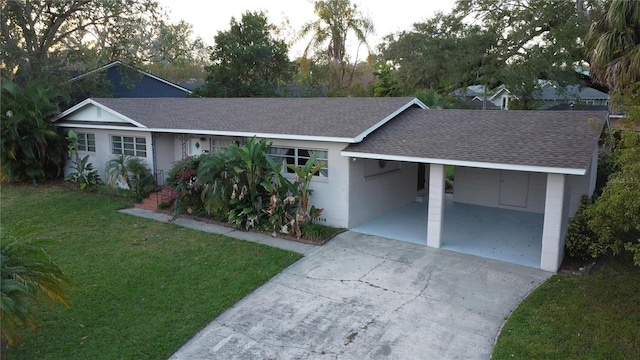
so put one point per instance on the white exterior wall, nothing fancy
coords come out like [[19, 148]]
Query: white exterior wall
[[435, 215], [556, 221], [373, 195], [331, 193], [482, 187], [103, 153]]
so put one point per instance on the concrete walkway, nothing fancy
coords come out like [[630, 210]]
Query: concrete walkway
[[367, 297]]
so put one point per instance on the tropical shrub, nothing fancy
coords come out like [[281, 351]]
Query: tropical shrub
[[28, 275], [248, 194], [185, 189], [216, 174], [84, 174], [245, 187], [30, 147], [304, 174]]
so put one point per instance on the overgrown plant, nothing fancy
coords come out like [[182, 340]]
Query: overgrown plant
[[30, 147], [28, 275], [215, 172], [304, 174], [247, 195], [185, 186], [84, 174], [283, 196]]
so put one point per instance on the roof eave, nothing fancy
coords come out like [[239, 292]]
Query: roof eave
[[476, 164], [213, 133]]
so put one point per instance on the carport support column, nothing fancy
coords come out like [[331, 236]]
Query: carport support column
[[436, 205], [556, 207]]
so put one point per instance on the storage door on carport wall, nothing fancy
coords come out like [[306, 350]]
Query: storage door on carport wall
[[514, 188]]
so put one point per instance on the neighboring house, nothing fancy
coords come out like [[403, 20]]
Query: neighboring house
[[130, 82], [552, 96], [501, 97], [381, 153]]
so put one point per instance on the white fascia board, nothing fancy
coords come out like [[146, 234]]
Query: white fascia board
[[211, 133], [97, 104], [475, 164], [371, 129]]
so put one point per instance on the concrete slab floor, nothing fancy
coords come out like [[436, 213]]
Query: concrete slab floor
[[367, 297], [507, 235]]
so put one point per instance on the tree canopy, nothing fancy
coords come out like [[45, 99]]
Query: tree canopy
[[248, 60], [39, 38], [489, 42]]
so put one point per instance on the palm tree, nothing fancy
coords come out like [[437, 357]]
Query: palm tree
[[336, 19], [28, 274], [613, 45]]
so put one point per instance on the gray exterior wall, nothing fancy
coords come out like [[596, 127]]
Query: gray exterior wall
[[374, 194], [482, 187]]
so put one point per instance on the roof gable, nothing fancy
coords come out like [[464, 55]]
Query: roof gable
[[90, 112]]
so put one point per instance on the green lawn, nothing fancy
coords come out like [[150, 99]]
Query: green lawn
[[140, 288], [578, 317]]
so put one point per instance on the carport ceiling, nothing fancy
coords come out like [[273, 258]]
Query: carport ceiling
[[544, 141]]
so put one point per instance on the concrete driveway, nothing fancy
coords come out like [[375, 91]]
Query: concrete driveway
[[367, 297]]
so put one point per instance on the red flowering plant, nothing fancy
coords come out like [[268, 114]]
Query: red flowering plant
[[184, 188]]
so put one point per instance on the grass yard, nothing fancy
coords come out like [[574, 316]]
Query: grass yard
[[578, 317], [140, 288]]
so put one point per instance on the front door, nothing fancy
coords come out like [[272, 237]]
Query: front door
[[514, 188]]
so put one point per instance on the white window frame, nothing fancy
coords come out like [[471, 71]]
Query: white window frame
[[128, 145], [296, 156], [86, 142]]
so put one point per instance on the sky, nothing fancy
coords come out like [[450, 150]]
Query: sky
[[209, 17]]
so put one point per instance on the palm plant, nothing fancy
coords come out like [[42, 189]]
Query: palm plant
[[613, 45], [28, 274], [116, 170]]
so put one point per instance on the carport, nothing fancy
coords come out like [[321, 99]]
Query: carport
[[550, 157], [501, 234]]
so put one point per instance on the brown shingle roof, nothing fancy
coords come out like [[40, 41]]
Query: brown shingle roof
[[315, 117], [556, 139]]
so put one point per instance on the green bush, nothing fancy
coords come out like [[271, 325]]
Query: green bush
[[580, 239]]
